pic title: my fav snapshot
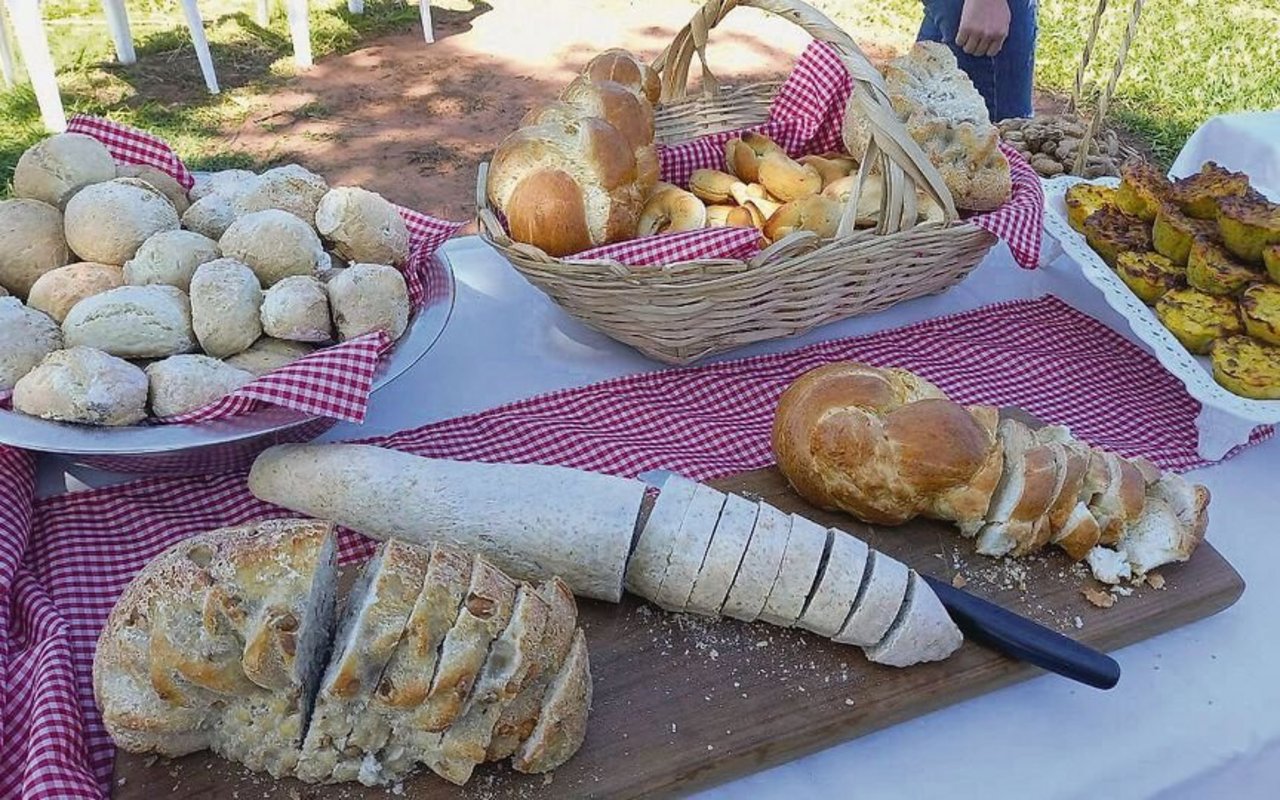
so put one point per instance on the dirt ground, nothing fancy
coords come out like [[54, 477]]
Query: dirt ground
[[413, 121]]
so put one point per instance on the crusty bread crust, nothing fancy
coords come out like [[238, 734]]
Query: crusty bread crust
[[562, 723]]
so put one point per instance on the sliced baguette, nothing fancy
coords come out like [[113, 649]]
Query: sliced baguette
[[1120, 500], [1042, 527], [521, 715], [377, 610], [838, 585], [877, 605], [689, 548], [1024, 493], [1079, 534], [760, 564], [724, 555], [562, 722], [507, 670], [649, 559], [806, 548], [922, 632]]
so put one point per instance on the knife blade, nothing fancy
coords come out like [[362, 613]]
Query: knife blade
[[1003, 630]]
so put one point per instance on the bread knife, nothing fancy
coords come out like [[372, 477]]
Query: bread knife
[[1003, 630]]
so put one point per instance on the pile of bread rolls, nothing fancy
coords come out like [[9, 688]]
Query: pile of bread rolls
[[887, 446], [232, 641], [141, 297]]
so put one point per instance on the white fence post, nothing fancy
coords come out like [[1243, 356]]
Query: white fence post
[[262, 13], [424, 9], [355, 6], [6, 54], [299, 32], [28, 29]]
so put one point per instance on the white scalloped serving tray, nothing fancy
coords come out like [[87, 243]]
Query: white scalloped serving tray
[[1194, 371]]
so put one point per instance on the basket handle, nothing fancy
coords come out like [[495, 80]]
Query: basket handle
[[901, 160]]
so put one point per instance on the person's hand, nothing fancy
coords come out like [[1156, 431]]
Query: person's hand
[[984, 25]]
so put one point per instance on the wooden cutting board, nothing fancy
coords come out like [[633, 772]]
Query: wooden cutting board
[[683, 702]]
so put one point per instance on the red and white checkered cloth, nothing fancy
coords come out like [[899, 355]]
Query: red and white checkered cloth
[[334, 382], [63, 565], [806, 117]]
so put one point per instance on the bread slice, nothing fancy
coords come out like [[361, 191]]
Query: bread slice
[[760, 564], [485, 612], [806, 549], [878, 602], [689, 548], [406, 679], [724, 555], [648, 561], [562, 722], [1024, 494], [838, 585], [1042, 528], [1172, 524], [374, 621], [518, 719], [1079, 534], [1121, 498], [506, 672], [922, 632]]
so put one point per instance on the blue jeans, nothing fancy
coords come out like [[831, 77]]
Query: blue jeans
[[1003, 80]]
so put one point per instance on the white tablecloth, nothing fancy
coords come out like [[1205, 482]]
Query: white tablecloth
[[1247, 142], [1190, 704]]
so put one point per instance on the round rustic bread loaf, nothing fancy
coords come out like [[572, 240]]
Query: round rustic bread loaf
[[291, 188], [268, 355], [26, 336], [33, 243], [161, 181], [275, 244], [363, 226], [84, 385], [108, 222], [622, 67], [225, 298], [369, 297], [54, 169], [132, 322], [184, 383], [170, 258], [227, 183], [58, 290], [565, 187], [209, 216], [297, 309]]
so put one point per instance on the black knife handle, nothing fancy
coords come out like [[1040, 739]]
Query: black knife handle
[[1025, 639]]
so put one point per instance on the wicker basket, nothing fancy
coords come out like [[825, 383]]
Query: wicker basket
[[678, 313]]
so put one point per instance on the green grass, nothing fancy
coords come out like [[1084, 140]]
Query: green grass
[[164, 92], [1190, 60]]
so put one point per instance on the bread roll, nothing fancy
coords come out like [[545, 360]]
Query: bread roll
[[367, 298], [26, 337], [886, 446], [184, 383], [132, 322], [622, 67], [170, 258], [290, 188], [742, 155], [58, 290], [814, 213], [108, 222], [32, 232], [297, 309], [275, 244], [947, 117], [54, 169], [566, 187], [225, 302], [363, 226], [163, 182], [670, 211], [228, 184], [268, 355], [209, 216], [83, 385]]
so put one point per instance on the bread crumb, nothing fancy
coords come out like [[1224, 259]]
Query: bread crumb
[[1155, 580], [1123, 591], [848, 701], [1079, 623], [959, 581], [1098, 597]]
